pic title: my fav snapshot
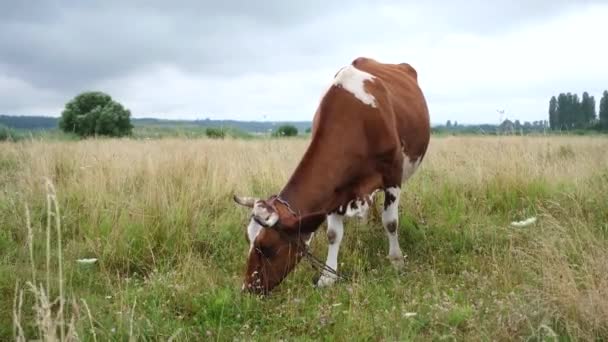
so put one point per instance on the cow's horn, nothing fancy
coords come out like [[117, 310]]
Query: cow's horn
[[245, 201]]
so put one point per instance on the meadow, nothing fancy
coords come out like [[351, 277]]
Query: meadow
[[170, 248]]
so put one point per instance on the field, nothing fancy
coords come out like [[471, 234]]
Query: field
[[171, 248]]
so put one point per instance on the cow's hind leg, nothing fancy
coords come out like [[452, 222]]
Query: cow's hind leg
[[335, 231], [390, 221]]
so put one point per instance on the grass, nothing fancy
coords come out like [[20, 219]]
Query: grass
[[183, 132], [158, 216]]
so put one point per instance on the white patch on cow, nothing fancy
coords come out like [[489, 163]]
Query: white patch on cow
[[390, 216], [353, 80], [357, 207], [335, 226], [253, 229], [409, 167], [331, 85], [262, 214]]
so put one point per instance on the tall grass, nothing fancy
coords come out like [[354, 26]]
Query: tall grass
[[170, 244], [49, 315]]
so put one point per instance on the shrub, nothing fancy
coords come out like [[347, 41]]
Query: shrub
[[285, 131], [7, 134], [95, 113], [4, 133], [215, 132]]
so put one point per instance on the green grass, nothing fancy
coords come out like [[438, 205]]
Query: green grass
[[170, 243], [182, 131]]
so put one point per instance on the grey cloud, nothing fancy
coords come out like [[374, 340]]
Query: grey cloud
[[63, 47], [67, 44], [82, 45]]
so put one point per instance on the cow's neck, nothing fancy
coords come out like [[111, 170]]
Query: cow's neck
[[323, 180]]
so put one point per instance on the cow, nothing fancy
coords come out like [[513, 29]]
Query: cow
[[370, 133]]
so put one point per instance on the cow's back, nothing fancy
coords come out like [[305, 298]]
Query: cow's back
[[407, 101]]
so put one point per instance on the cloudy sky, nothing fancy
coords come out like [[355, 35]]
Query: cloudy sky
[[256, 60]]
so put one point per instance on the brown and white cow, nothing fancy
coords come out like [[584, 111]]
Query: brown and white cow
[[370, 133]]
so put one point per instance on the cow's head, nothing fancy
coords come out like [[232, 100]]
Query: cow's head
[[275, 237]]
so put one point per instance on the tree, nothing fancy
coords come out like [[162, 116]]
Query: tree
[[571, 111], [286, 131], [588, 109], [564, 114], [95, 113], [568, 108], [448, 124], [604, 111], [553, 119]]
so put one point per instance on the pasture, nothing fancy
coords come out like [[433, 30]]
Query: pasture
[[170, 244]]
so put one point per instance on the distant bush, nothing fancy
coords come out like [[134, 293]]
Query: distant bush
[[308, 130], [4, 133], [215, 132], [95, 113], [7, 134], [238, 133], [285, 131]]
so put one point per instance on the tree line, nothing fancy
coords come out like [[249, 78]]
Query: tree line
[[568, 111], [28, 122], [95, 113]]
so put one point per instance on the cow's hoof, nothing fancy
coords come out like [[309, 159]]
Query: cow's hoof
[[326, 280]]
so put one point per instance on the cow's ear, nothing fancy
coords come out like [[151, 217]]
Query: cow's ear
[[305, 224]]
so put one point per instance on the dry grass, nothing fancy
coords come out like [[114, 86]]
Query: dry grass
[[158, 216], [49, 315]]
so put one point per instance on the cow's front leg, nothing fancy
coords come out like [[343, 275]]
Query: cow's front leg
[[390, 221], [335, 231]]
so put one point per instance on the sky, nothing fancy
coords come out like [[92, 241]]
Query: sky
[[272, 60]]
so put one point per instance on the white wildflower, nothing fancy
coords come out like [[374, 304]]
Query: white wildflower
[[524, 223]]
